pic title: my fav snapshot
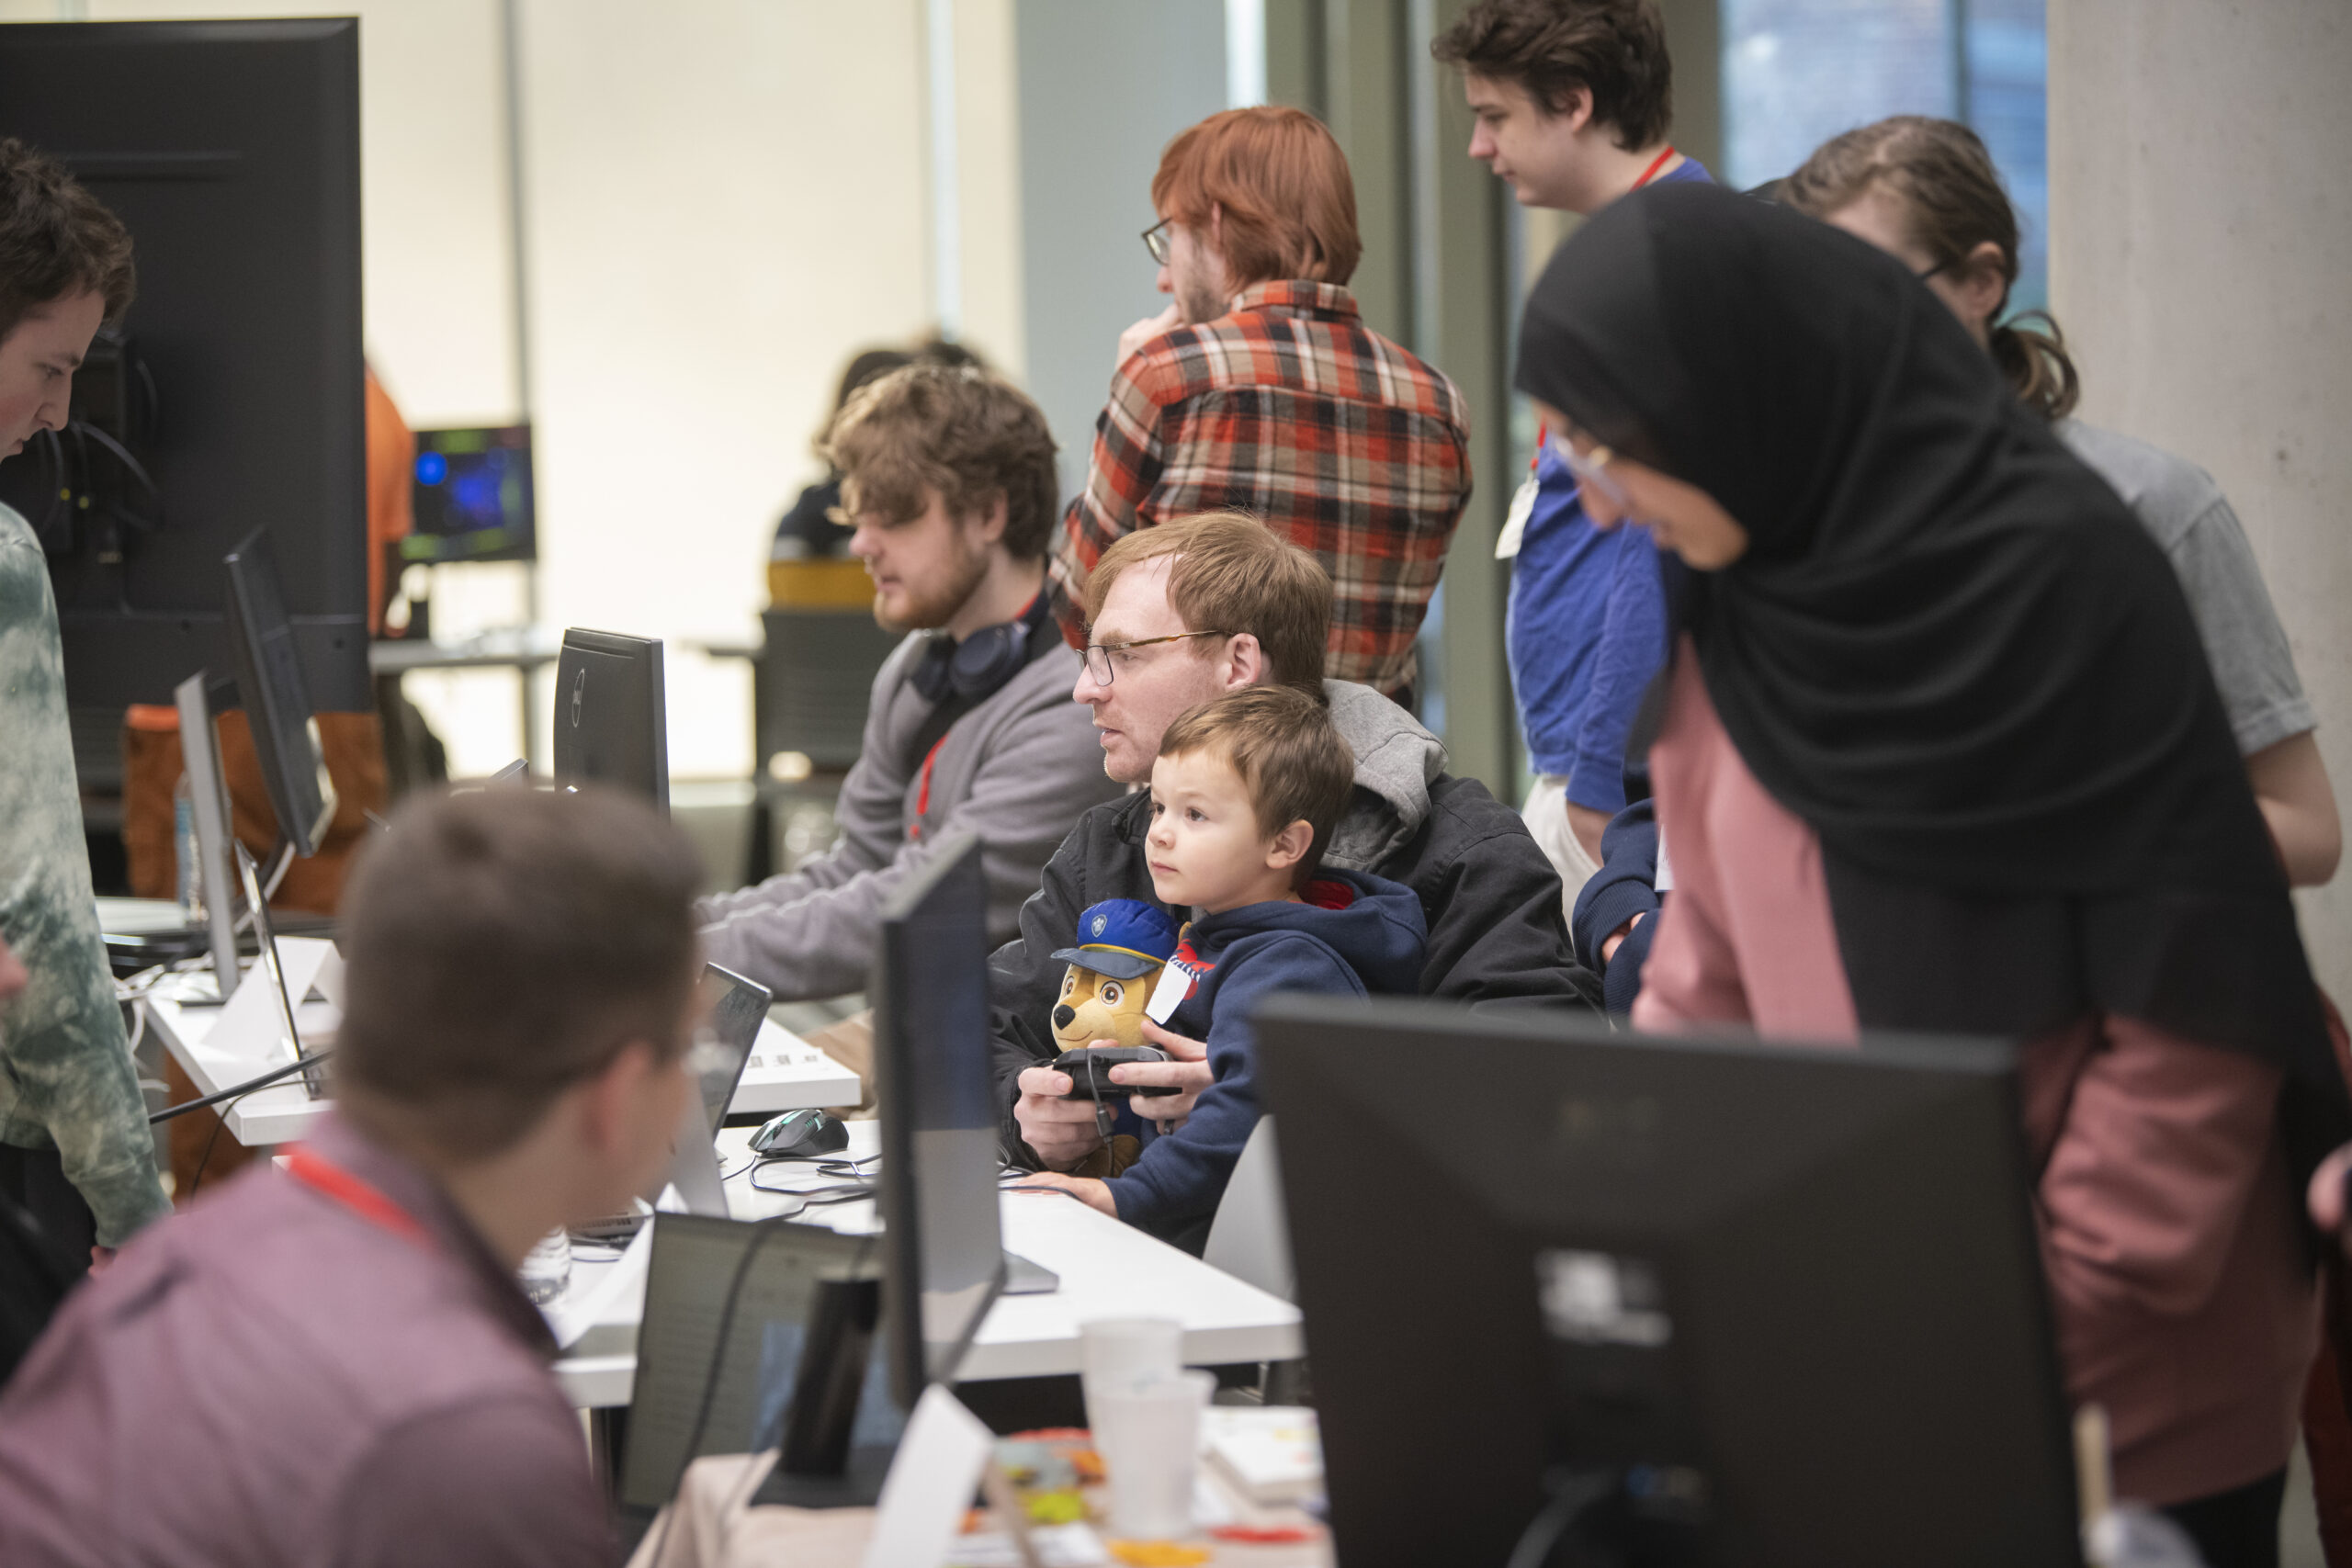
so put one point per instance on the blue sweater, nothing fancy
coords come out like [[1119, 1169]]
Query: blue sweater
[[1586, 630], [1625, 886], [1372, 944]]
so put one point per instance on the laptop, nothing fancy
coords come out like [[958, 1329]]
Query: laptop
[[732, 1008], [805, 1366]]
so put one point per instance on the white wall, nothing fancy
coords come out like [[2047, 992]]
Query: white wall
[[2199, 230], [723, 199], [1092, 129]]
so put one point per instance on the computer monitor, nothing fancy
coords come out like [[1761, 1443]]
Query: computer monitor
[[276, 698], [1768, 1305], [231, 150], [472, 496], [801, 1363], [941, 1243], [611, 725]]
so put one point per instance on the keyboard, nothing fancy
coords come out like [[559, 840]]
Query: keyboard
[[785, 1073]]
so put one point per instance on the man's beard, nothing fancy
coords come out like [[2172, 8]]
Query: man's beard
[[1201, 302], [932, 611]]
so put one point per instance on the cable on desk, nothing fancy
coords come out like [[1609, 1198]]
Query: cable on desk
[[213, 1138], [811, 1197], [237, 1091]]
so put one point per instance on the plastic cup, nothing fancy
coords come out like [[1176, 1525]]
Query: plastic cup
[[1118, 1352], [1149, 1437]]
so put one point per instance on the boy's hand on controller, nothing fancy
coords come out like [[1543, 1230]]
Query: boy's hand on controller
[[1188, 1072], [1062, 1131]]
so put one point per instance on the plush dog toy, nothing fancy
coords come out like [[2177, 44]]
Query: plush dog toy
[[1123, 945]]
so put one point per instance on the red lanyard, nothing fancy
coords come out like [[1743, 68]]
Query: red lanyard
[[332, 1181], [1647, 175], [922, 796]]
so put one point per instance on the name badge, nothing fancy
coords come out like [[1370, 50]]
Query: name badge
[[1175, 983], [1523, 507]]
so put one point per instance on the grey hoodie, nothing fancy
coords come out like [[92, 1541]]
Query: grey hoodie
[[1396, 761], [1019, 770]]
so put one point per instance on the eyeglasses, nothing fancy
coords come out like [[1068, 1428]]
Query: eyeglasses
[[1592, 470], [1940, 266], [1097, 654], [1156, 238]]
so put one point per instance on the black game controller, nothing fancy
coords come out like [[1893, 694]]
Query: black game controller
[[1089, 1071]]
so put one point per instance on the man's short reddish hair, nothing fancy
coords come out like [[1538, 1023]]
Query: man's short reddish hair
[[1288, 202]]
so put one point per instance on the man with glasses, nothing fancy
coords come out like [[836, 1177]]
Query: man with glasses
[[1573, 99], [1261, 388], [1183, 613], [948, 476]]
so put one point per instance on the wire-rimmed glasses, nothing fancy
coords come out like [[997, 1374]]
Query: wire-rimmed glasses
[[1155, 239], [1097, 654]]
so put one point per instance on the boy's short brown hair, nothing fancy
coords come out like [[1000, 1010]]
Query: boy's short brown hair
[[1233, 574], [1282, 184], [1289, 754], [1615, 50], [955, 429], [56, 239], [502, 945]]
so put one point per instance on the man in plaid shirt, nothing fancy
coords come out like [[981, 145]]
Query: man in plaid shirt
[[1261, 390]]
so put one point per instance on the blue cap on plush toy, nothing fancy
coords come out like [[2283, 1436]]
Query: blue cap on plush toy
[[1121, 938]]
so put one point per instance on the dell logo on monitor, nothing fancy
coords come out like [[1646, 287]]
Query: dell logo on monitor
[[579, 683]]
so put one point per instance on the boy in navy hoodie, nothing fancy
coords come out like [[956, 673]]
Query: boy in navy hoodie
[[1243, 796]]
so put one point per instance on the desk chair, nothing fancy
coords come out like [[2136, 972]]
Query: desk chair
[[1249, 1237]]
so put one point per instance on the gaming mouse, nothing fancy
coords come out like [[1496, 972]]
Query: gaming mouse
[[803, 1132]]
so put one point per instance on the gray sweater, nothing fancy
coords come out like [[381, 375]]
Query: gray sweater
[[66, 1080], [1019, 771]]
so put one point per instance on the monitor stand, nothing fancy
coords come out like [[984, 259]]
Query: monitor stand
[[858, 1485], [1023, 1278], [200, 754]]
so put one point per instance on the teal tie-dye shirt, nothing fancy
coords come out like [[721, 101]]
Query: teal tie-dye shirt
[[66, 1078]]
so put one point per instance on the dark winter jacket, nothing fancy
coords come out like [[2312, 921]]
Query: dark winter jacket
[[1491, 900]]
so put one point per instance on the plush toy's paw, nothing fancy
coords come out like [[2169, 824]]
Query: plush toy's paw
[[1113, 1157]]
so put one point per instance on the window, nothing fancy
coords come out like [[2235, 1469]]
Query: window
[[1798, 72]]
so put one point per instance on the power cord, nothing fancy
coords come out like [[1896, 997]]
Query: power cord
[[1571, 1496], [238, 1091]]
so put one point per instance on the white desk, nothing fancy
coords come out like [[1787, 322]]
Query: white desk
[[1107, 1268], [785, 1072]]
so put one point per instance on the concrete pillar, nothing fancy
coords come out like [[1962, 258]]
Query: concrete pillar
[[2200, 247]]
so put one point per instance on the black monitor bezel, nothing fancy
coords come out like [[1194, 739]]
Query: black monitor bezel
[[1407, 1214], [896, 965], [136, 109], [654, 740], [278, 712]]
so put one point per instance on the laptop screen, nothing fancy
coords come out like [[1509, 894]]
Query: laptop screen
[[732, 1009], [795, 1306]]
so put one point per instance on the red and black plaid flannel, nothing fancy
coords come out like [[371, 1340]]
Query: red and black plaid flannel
[[1293, 410]]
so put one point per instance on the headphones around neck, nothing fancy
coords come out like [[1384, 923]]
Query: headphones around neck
[[975, 668]]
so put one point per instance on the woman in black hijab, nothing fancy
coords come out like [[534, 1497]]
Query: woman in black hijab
[[1941, 751]]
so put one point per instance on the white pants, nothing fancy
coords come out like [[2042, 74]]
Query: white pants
[[1546, 811]]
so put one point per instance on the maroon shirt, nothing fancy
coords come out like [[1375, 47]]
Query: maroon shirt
[[278, 1378]]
